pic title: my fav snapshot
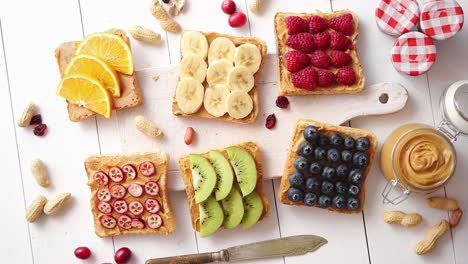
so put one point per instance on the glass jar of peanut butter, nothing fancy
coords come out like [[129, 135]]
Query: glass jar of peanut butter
[[417, 158]]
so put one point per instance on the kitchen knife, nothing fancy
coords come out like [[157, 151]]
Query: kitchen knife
[[287, 246]]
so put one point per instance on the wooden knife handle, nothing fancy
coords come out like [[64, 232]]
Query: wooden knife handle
[[188, 259]]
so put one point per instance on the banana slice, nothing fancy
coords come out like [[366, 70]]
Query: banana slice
[[215, 100], [189, 95], [193, 66], [193, 42], [239, 104], [240, 78], [221, 48], [248, 55], [218, 72]]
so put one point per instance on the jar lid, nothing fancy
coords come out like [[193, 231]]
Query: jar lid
[[396, 17], [456, 106], [441, 19], [413, 53]]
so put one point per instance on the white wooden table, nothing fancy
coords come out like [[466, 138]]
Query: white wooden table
[[30, 30]]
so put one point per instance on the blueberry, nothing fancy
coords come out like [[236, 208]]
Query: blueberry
[[342, 171], [353, 203], [301, 164], [333, 155], [341, 187], [306, 150], [339, 201], [362, 144], [323, 141], [346, 156], [312, 184], [327, 187], [297, 180], [354, 190], [355, 176], [336, 139], [319, 153], [349, 143], [329, 173], [310, 199], [324, 201], [295, 195], [360, 159], [315, 168], [311, 134]]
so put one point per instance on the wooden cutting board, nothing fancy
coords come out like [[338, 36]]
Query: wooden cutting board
[[377, 99]]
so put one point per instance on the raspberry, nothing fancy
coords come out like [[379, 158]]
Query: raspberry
[[302, 41], [296, 60], [340, 58], [320, 59], [343, 24], [305, 78], [317, 24], [325, 78], [322, 40], [295, 25], [40, 130], [339, 41], [346, 76], [270, 121], [36, 120], [282, 102]]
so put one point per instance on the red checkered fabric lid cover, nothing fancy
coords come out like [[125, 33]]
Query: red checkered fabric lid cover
[[396, 17], [413, 53], [441, 19]]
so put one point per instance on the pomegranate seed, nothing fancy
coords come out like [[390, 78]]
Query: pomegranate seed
[[122, 255], [228, 6], [270, 121], [40, 130], [282, 102], [36, 120], [82, 252], [237, 19]]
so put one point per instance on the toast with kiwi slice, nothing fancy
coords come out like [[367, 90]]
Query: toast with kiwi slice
[[233, 196]]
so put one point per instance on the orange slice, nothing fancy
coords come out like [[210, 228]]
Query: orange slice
[[96, 68], [86, 92], [109, 47]]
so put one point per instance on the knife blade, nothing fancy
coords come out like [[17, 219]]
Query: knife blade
[[287, 246]]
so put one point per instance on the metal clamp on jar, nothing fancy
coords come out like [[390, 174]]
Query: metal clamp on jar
[[421, 159]]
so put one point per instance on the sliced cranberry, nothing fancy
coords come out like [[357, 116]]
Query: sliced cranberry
[[152, 188], [118, 191], [147, 168], [101, 178], [135, 208], [40, 130], [108, 221], [36, 120], [129, 171], [138, 223], [135, 190], [103, 194], [116, 174], [124, 221], [104, 207], [152, 206], [120, 206], [154, 221]]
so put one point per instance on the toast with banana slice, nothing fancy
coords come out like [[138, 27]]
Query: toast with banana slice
[[218, 75]]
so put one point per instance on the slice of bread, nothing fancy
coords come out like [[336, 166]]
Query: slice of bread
[[285, 85], [160, 159], [130, 89], [184, 167]]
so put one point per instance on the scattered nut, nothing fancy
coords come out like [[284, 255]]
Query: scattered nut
[[177, 7], [189, 133], [255, 5], [442, 203], [433, 235], [144, 34], [398, 217], [34, 210], [147, 127], [155, 77], [167, 23], [39, 171], [26, 116], [456, 217], [54, 205]]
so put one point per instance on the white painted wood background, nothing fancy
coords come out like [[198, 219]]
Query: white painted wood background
[[30, 30]]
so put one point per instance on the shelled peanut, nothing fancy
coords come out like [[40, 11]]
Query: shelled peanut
[[432, 237], [401, 218]]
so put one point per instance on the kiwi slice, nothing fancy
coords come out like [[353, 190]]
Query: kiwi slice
[[233, 209], [253, 207], [244, 167], [211, 216], [225, 176], [203, 176]]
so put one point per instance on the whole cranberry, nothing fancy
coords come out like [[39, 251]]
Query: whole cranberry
[[228, 6], [82, 252], [238, 19], [122, 255]]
